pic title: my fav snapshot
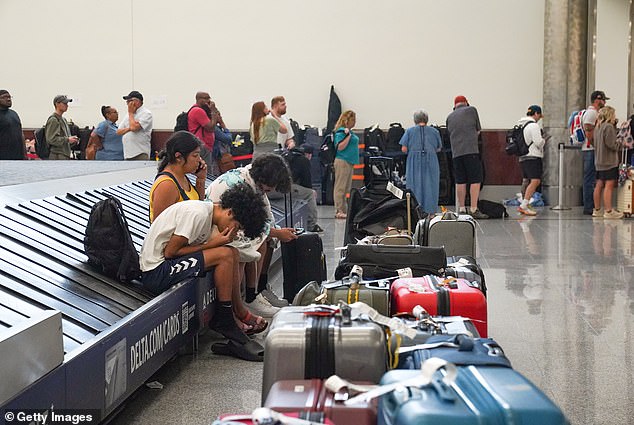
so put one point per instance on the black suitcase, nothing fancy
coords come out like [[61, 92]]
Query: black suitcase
[[327, 184], [382, 261], [303, 260]]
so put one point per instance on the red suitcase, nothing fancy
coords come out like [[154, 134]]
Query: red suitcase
[[312, 395], [441, 296]]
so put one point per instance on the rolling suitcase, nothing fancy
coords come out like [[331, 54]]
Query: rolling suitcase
[[625, 198], [313, 396], [455, 232], [466, 267], [441, 296], [314, 342], [303, 260], [376, 294], [479, 395], [382, 261]]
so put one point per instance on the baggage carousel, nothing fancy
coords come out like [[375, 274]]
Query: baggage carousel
[[75, 338]]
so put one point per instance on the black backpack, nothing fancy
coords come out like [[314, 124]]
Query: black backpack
[[108, 243], [327, 151], [298, 132], [373, 137], [181, 121], [394, 134], [515, 143], [42, 149]]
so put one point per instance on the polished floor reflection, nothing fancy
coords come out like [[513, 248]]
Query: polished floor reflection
[[561, 303]]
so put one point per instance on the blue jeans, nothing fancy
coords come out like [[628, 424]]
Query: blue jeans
[[589, 174]]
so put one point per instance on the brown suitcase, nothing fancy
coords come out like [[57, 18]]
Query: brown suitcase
[[312, 395]]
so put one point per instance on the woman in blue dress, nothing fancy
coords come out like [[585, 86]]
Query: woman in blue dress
[[421, 143]]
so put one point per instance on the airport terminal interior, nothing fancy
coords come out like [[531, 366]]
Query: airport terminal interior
[[560, 300], [560, 296]]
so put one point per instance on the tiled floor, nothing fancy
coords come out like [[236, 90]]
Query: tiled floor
[[561, 303]]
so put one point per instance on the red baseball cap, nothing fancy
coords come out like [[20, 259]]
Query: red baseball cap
[[459, 99]]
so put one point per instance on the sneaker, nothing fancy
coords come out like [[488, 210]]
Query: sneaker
[[527, 211], [478, 215], [316, 229], [613, 214], [597, 213], [273, 299], [261, 307]]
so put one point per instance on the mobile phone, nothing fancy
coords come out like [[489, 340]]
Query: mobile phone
[[200, 167]]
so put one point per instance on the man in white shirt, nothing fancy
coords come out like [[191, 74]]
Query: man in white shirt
[[136, 129], [531, 163], [598, 99], [278, 110]]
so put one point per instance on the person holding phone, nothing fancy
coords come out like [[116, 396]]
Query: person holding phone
[[180, 157], [57, 130], [136, 128]]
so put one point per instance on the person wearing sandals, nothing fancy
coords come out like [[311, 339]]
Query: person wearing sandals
[[347, 156], [264, 128], [182, 234], [421, 143], [180, 157], [607, 150]]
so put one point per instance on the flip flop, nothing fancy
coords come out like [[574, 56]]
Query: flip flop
[[255, 324], [251, 351]]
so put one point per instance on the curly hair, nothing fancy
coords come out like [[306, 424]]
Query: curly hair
[[247, 207], [271, 169], [182, 142]]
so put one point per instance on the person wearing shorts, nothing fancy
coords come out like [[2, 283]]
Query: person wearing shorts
[[180, 245], [463, 126], [531, 163]]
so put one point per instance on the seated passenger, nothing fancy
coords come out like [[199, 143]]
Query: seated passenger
[[268, 172], [180, 245], [180, 157]]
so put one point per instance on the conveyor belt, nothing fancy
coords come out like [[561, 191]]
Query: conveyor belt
[[43, 267]]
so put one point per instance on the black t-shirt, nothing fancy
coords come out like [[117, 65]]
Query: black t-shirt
[[300, 168], [11, 143]]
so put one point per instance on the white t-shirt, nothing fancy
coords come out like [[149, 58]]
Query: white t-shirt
[[589, 117], [282, 138], [190, 219], [137, 142]]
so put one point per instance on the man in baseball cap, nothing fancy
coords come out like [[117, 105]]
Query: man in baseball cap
[[57, 131], [136, 129], [598, 95], [134, 95], [590, 116], [61, 98]]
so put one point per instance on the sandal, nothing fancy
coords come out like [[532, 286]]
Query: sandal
[[244, 327], [256, 324], [341, 215]]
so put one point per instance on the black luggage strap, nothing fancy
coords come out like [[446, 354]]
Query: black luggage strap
[[320, 350], [171, 176]]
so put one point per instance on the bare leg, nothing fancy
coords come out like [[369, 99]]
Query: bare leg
[[461, 194], [607, 194], [598, 189], [531, 188], [474, 191]]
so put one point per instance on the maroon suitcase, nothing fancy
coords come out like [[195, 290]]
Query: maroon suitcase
[[441, 296], [312, 395]]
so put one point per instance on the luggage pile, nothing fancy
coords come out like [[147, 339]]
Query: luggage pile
[[400, 337]]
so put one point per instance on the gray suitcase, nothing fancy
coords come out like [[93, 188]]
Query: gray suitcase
[[455, 232], [303, 345]]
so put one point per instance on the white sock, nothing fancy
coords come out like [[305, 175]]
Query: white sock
[[462, 210], [524, 204]]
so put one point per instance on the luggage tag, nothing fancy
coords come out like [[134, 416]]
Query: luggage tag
[[359, 309], [321, 310], [425, 378], [405, 273]]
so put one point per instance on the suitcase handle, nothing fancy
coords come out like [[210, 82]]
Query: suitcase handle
[[410, 249]]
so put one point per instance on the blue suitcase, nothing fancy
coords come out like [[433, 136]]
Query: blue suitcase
[[480, 395]]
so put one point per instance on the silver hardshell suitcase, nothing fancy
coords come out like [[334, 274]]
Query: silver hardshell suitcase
[[457, 233], [312, 342]]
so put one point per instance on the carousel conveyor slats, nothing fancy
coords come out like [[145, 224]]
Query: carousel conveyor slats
[[129, 296], [58, 273], [73, 332]]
